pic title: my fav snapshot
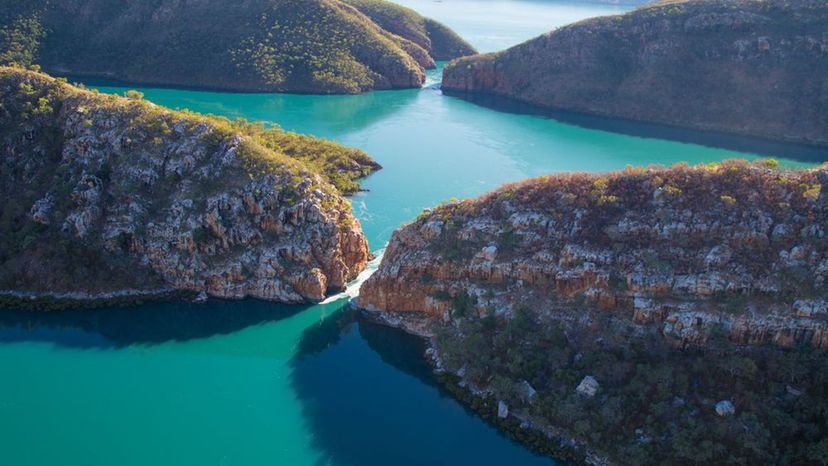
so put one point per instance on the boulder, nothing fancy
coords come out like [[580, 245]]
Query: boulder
[[588, 387], [502, 410], [725, 408], [529, 391]]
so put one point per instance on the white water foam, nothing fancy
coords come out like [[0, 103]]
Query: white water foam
[[352, 290]]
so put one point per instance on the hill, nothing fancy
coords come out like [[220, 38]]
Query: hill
[[313, 46], [752, 67], [629, 317], [106, 196]]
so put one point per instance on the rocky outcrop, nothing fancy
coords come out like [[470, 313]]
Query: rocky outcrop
[[311, 46], [691, 252], [750, 67], [105, 194], [588, 387]]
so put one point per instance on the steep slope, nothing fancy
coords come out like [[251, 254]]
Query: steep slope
[[440, 42], [751, 67], [105, 196], [688, 278], [687, 249], [313, 46]]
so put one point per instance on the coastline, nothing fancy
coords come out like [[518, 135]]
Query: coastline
[[803, 151], [100, 80], [545, 440], [50, 301]]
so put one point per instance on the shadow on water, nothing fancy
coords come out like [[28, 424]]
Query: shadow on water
[[147, 324], [399, 349], [763, 147], [322, 116], [370, 399]]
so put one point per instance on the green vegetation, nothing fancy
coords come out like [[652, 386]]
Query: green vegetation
[[322, 44], [343, 166], [312, 46], [439, 41], [656, 403], [21, 33], [19, 41]]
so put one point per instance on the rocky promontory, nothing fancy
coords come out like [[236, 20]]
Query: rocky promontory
[[612, 312], [311, 46], [107, 196], [751, 67], [688, 250]]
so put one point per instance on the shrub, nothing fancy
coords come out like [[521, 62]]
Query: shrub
[[812, 192], [133, 95], [673, 191], [769, 163]]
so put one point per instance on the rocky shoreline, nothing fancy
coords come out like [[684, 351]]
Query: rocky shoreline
[[46, 301], [520, 427]]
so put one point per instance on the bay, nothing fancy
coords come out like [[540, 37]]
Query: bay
[[254, 383]]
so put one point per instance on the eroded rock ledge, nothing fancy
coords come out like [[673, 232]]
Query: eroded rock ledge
[[104, 194], [731, 248]]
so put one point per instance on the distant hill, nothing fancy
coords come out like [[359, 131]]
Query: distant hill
[[438, 40], [309, 46], [758, 68]]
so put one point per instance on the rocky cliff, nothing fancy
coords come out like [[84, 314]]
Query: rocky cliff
[[109, 196], [730, 247], [313, 46], [750, 67], [651, 316]]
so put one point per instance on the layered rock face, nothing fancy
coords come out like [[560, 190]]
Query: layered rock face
[[750, 67], [312, 46], [104, 194], [733, 248]]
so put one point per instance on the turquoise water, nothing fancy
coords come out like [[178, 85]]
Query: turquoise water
[[252, 383], [434, 148]]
